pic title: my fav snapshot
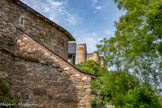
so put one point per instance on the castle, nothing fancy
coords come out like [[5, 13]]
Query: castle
[[34, 60], [82, 55]]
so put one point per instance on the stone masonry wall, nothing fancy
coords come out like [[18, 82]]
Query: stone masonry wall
[[34, 73], [90, 56], [93, 56], [39, 76], [38, 28]]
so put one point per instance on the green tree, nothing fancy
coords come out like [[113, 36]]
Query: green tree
[[91, 67], [119, 88], [136, 46], [141, 98], [124, 91], [114, 86]]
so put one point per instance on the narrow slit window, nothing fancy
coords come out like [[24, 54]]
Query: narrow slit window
[[21, 21]]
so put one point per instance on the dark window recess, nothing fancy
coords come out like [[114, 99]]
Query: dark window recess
[[22, 21]]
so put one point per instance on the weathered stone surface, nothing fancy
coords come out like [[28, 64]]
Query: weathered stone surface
[[85, 78], [66, 68], [36, 74]]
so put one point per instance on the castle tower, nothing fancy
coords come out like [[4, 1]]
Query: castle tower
[[81, 53]]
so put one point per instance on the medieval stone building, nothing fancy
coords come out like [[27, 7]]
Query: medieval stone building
[[33, 60], [82, 55]]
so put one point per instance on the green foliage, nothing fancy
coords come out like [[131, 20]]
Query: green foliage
[[134, 55], [141, 98], [125, 91], [113, 86], [120, 88], [136, 47], [91, 67], [160, 100], [5, 95], [93, 103]]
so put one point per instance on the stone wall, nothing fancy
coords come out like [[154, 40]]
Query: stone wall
[[39, 76], [90, 56], [93, 56], [34, 71], [38, 28]]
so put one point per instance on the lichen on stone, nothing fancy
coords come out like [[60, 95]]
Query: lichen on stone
[[28, 58], [6, 50]]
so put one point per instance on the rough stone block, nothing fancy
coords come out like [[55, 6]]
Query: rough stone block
[[66, 68], [22, 44], [18, 41], [84, 78]]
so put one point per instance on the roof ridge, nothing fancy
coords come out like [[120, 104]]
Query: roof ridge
[[20, 3]]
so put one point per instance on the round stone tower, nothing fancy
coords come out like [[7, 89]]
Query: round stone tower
[[81, 53]]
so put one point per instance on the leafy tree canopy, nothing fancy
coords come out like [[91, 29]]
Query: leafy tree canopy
[[124, 91], [136, 47], [119, 88], [92, 67]]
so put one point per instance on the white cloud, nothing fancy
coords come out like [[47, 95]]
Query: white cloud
[[46, 9], [72, 20], [99, 7], [91, 40], [109, 32], [94, 2], [54, 10], [56, 3]]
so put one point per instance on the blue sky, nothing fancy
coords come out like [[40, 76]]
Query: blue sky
[[88, 21]]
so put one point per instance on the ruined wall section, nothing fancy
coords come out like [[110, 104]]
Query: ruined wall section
[[37, 27], [90, 56], [93, 56]]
